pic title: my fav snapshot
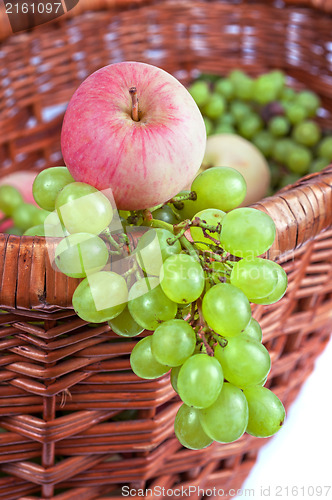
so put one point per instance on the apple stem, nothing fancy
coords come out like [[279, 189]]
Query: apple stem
[[134, 99]]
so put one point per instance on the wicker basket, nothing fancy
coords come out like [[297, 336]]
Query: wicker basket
[[64, 383]]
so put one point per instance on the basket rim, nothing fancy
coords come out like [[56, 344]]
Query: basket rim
[[313, 191]]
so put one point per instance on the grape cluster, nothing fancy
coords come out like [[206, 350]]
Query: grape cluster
[[278, 120], [23, 215], [189, 282]]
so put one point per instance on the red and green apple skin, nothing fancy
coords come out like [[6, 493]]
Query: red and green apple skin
[[144, 162]]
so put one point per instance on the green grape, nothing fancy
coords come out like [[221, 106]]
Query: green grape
[[200, 91], [35, 231], [125, 325], [200, 380], [287, 94], [214, 107], [250, 125], [265, 89], [223, 188], [239, 110], [81, 254], [263, 382], [153, 249], [208, 77], [253, 330], [226, 309], [10, 199], [48, 184], [53, 227], [173, 342], [40, 217], [226, 119], [211, 216], [218, 270], [318, 165], [208, 125], [279, 126], [224, 128], [24, 215], [279, 290], [174, 377], [307, 133], [188, 207], [266, 412], [289, 179], [242, 84], [100, 297], [264, 141], [299, 160], [185, 310], [143, 363], [325, 148], [225, 87], [256, 277], [124, 214], [148, 304], [182, 278], [245, 361], [295, 113], [247, 232], [276, 174], [226, 419], [236, 75], [243, 87], [279, 79], [188, 429], [165, 214], [282, 149], [82, 208], [14, 231], [309, 101]]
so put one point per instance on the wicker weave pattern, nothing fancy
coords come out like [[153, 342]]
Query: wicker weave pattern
[[42, 69], [64, 382]]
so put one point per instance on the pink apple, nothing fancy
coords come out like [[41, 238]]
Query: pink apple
[[144, 162]]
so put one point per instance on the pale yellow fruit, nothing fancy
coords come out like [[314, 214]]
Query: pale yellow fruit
[[230, 150]]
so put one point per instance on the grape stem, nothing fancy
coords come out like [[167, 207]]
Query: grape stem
[[147, 215], [130, 271], [201, 321], [115, 244], [161, 224], [201, 336], [219, 339], [197, 222], [178, 236], [189, 247], [183, 197], [134, 102], [136, 218], [217, 242]]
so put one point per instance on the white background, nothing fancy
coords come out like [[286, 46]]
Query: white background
[[300, 454]]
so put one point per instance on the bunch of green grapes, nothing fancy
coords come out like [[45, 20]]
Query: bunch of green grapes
[[188, 289], [23, 215], [278, 120]]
